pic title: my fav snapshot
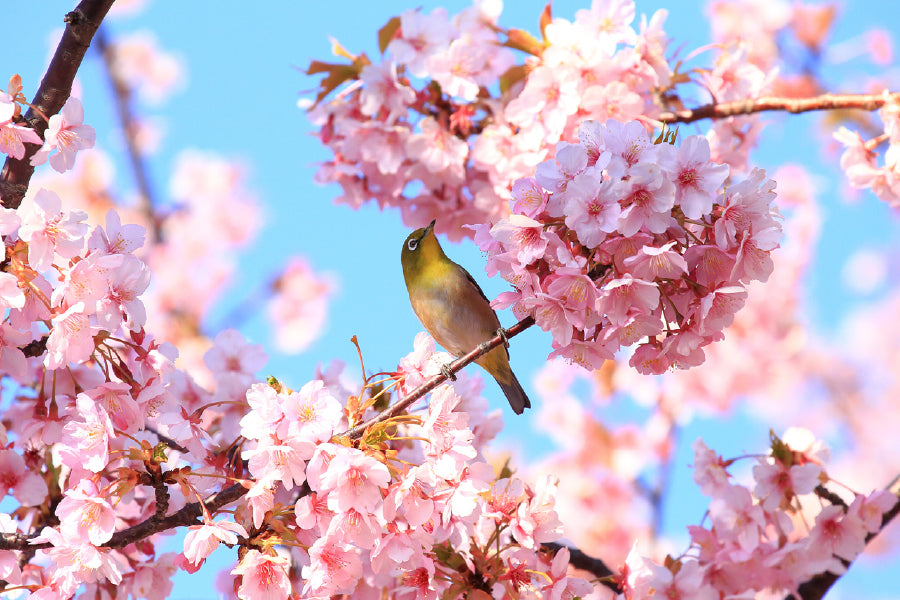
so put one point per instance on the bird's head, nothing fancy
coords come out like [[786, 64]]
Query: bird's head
[[420, 248]]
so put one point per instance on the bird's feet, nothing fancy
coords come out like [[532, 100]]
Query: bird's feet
[[502, 333], [446, 372]]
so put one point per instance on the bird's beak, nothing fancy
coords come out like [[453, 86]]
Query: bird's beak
[[430, 227]]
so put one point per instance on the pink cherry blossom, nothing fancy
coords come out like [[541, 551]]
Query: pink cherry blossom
[[438, 150], [234, 361], [71, 338], [710, 471], [522, 235], [536, 521], [529, 198], [202, 540], [647, 201], [619, 296], [25, 485], [657, 263], [592, 206], [80, 562], [870, 509], [85, 443], [311, 512], [420, 36], [86, 515], [382, 91], [837, 533], [776, 483], [14, 136], [11, 295], [354, 480], [121, 302], [696, 178], [562, 586], [284, 462], [735, 516], [263, 577], [422, 363], [334, 567], [67, 134], [49, 230], [465, 489], [116, 238]]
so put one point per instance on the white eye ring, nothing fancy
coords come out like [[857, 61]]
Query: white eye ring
[[412, 244]]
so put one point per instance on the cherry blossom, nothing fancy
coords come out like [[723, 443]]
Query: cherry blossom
[[86, 515], [262, 576], [66, 134], [201, 540], [50, 230]]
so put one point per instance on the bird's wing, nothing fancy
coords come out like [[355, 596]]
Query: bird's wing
[[480, 291]]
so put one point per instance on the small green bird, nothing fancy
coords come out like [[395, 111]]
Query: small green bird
[[454, 310]]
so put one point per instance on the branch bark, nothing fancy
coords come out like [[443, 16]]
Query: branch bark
[[55, 88], [724, 110]]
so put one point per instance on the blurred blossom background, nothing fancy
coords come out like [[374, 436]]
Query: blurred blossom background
[[216, 107]]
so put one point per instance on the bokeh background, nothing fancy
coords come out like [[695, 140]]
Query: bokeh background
[[238, 71]]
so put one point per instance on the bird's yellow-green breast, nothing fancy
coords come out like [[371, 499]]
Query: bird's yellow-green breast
[[453, 309]]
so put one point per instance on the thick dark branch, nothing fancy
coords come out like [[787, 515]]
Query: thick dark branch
[[55, 88], [401, 405], [723, 110]]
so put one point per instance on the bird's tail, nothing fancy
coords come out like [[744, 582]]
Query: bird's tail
[[515, 394]]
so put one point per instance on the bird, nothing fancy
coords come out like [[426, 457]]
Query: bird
[[454, 310]]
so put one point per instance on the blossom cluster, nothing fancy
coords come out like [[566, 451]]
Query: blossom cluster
[[412, 509], [89, 392], [426, 130], [860, 159], [620, 240], [756, 539]]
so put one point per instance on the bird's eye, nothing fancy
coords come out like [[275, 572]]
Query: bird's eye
[[412, 244]]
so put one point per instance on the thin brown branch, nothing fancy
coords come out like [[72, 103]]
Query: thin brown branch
[[723, 110], [55, 88], [454, 367], [122, 95]]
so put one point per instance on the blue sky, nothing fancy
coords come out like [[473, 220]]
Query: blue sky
[[244, 78]]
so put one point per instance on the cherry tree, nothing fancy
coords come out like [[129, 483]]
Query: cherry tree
[[664, 263]]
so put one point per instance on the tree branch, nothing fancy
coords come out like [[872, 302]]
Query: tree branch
[[401, 405], [723, 110], [122, 100], [55, 88]]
